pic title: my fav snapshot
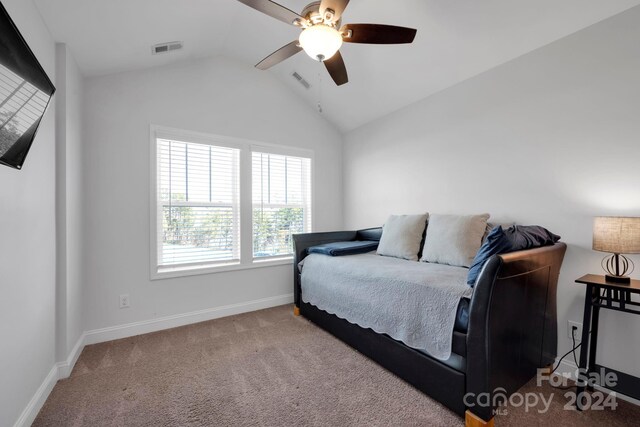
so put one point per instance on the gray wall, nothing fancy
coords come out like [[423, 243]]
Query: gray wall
[[217, 96], [40, 252], [551, 138], [28, 247]]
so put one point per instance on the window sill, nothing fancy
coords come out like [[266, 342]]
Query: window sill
[[173, 272]]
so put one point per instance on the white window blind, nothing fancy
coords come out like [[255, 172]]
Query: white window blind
[[198, 206], [281, 202]]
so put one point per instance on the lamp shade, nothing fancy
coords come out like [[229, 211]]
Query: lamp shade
[[617, 235]]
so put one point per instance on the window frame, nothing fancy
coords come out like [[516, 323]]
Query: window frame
[[245, 183]]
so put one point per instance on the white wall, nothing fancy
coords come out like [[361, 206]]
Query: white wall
[[217, 96], [551, 138], [69, 82], [27, 246]]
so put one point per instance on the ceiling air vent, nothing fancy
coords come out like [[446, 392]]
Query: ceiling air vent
[[166, 47], [301, 80]]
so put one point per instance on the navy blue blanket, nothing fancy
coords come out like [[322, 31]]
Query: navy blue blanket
[[344, 248], [514, 238]]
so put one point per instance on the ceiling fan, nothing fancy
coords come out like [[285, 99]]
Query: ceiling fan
[[322, 36]]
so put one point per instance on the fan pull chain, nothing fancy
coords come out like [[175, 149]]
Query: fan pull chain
[[319, 94]]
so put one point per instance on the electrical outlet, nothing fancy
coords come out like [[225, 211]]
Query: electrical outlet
[[578, 333], [124, 301]]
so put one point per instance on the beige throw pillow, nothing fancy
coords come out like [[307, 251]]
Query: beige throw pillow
[[454, 239], [402, 235]]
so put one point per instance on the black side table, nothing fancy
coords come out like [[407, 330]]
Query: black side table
[[612, 296]]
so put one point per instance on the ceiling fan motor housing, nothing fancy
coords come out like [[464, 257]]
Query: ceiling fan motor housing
[[311, 13]]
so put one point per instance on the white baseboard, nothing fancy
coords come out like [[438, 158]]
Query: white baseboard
[[152, 325], [59, 371], [569, 369], [63, 369], [35, 404]]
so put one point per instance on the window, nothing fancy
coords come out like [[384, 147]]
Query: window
[[198, 203], [281, 202], [222, 204]]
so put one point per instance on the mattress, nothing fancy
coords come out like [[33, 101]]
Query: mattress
[[413, 302]]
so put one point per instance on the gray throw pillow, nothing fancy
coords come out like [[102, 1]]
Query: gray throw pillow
[[454, 239], [402, 235]]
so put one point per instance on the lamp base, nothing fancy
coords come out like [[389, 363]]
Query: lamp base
[[617, 268], [620, 280]]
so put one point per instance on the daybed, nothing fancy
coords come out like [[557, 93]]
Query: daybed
[[503, 333]]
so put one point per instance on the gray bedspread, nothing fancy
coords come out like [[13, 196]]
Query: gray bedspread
[[413, 302]]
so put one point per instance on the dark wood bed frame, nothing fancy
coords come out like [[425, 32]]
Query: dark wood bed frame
[[512, 329]]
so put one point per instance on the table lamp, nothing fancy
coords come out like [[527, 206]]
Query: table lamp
[[617, 235]]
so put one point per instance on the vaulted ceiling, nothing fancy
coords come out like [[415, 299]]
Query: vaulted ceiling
[[456, 40]]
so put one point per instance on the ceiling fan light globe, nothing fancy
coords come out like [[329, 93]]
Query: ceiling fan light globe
[[320, 41]]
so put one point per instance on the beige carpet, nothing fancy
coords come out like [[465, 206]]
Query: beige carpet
[[266, 368]]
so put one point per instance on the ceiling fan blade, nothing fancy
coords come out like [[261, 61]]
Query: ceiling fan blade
[[337, 69], [279, 55], [274, 10], [338, 7], [377, 34]]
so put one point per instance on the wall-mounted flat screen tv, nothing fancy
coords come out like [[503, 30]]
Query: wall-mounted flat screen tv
[[25, 92]]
